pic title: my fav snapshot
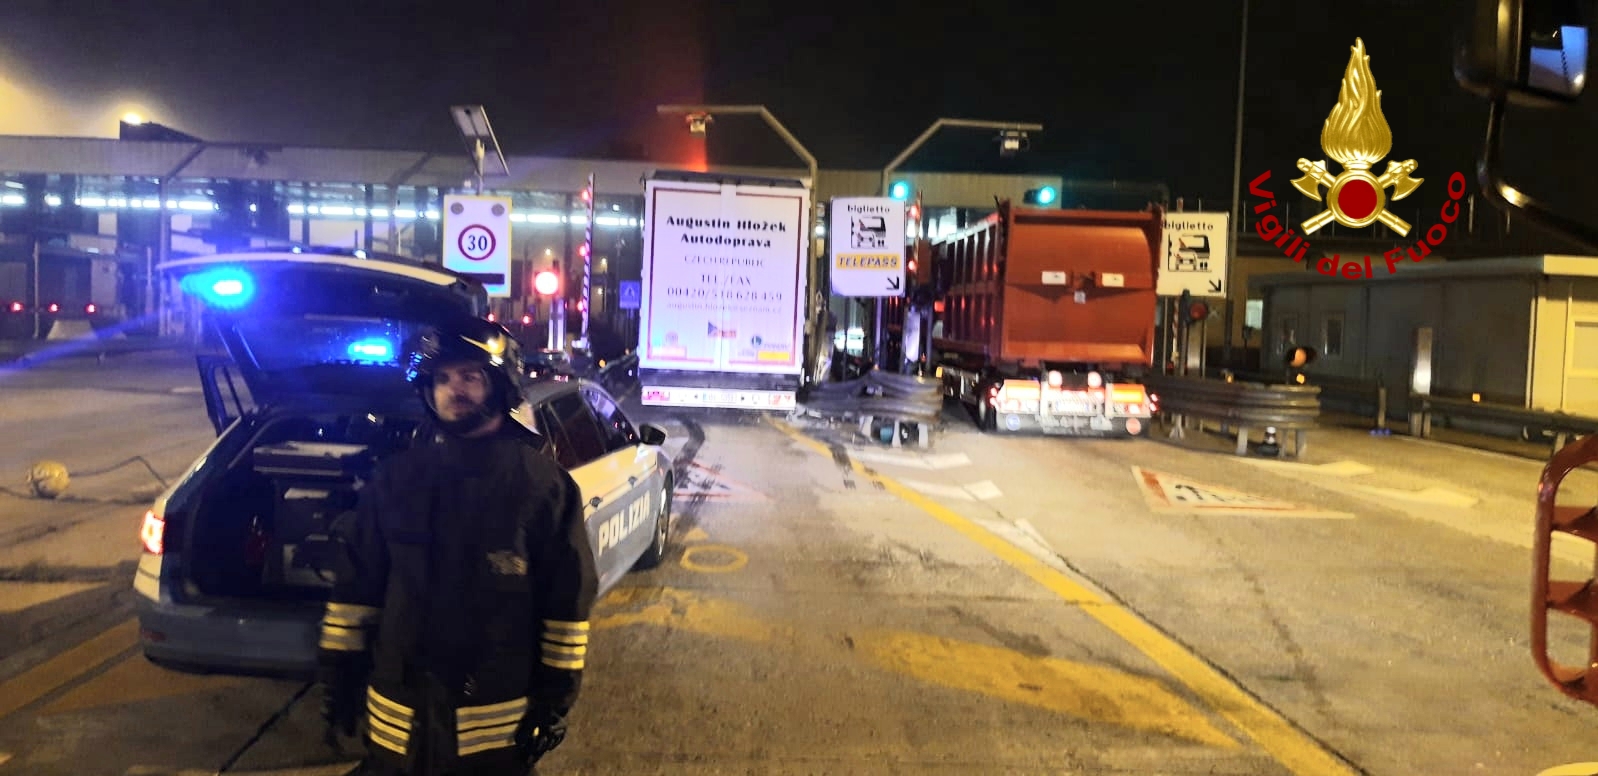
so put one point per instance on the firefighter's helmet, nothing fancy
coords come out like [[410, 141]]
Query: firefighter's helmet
[[469, 340]]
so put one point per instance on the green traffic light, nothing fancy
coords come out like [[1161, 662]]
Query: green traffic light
[[1047, 195], [900, 190]]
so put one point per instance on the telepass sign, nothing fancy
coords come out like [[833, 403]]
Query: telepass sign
[[867, 246]]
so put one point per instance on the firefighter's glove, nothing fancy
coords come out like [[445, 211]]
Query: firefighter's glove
[[541, 730], [343, 683]]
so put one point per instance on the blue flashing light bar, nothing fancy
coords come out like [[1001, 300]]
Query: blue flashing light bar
[[226, 288], [375, 350]]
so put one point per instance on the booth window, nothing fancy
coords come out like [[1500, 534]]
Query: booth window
[[1332, 335]]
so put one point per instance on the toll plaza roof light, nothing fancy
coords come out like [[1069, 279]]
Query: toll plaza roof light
[[371, 350], [226, 288]]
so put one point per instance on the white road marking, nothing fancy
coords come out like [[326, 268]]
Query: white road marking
[[909, 460], [976, 491], [1173, 494], [1335, 469], [984, 490], [1442, 496], [1348, 469]]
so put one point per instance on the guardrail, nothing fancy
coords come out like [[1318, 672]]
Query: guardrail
[[1357, 391], [1564, 426], [901, 403], [1241, 404]]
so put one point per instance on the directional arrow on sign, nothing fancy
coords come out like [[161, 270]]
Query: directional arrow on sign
[[1215, 286], [893, 284]]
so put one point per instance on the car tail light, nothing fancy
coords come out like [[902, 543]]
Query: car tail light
[[55, 308], [90, 308], [17, 307], [152, 533]]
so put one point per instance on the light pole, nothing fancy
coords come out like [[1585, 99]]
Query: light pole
[[479, 136], [699, 119], [1012, 133], [1236, 227], [1012, 138]]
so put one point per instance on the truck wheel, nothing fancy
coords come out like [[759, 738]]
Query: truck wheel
[[987, 417]]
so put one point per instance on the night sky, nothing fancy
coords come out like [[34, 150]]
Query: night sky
[[1131, 90]]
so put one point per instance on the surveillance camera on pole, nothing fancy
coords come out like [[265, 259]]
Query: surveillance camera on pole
[[699, 123]]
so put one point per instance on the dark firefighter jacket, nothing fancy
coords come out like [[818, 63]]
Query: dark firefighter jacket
[[468, 573]]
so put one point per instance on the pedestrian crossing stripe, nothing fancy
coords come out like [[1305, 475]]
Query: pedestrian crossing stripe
[[1174, 494]]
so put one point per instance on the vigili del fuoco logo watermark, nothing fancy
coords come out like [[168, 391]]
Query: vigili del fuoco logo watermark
[[1356, 135]]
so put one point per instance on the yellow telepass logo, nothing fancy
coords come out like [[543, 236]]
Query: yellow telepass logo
[[876, 261]]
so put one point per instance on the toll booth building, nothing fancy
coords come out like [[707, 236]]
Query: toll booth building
[[1517, 331]]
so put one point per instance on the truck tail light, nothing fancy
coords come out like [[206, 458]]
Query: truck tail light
[[152, 534], [55, 308], [90, 308], [18, 307]]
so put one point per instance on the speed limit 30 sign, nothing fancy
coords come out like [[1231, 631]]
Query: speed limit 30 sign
[[477, 240]]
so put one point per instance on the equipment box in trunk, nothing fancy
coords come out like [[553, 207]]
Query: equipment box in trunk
[[300, 551], [312, 459]]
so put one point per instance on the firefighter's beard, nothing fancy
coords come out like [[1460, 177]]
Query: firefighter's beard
[[461, 417]]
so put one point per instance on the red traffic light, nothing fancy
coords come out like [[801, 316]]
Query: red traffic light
[[1299, 356], [1198, 311], [546, 283], [491, 318]]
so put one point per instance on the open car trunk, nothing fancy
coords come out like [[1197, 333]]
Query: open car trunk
[[317, 341], [261, 528]]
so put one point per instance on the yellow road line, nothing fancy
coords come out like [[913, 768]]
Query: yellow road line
[[42, 679], [1276, 735]]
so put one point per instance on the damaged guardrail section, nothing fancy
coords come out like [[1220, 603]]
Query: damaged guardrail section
[[1241, 405]]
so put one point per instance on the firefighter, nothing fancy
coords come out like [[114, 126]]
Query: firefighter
[[458, 622]]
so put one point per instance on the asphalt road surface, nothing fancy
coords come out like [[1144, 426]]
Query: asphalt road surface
[[832, 605]]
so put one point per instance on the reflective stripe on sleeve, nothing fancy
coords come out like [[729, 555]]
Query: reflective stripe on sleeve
[[342, 639], [351, 615], [565, 644], [345, 626]]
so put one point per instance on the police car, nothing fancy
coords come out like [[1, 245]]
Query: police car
[[236, 553]]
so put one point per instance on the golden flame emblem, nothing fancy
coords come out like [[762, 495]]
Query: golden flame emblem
[[1357, 136]]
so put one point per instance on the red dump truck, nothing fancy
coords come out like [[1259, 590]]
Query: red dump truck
[[1047, 319]]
